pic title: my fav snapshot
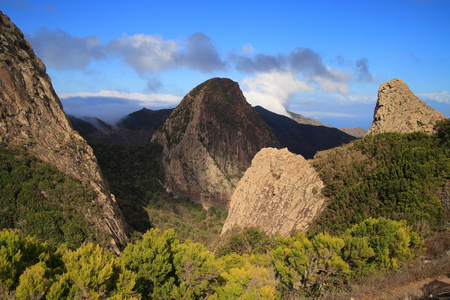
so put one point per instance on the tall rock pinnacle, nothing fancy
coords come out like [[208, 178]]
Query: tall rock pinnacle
[[31, 115], [399, 110], [209, 141]]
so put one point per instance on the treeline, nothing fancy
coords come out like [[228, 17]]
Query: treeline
[[40, 200], [391, 175], [251, 265]]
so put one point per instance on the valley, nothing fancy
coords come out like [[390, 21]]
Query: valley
[[214, 199]]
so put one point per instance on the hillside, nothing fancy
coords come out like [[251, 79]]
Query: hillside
[[32, 118], [302, 138], [135, 129]]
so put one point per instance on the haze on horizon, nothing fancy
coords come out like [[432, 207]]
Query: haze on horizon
[[324, 59]]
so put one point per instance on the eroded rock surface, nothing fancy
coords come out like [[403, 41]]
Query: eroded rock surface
[[399, 110], [209, 141], [280, 193], [31, 115]]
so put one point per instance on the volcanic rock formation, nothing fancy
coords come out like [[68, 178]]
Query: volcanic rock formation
[[31, 115], [399, 110], [209, 141], [280, 193]]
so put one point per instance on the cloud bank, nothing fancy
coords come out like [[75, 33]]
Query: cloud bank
[[443, 97], [273, 79], [62, 51], [111, 106], [273, 90]]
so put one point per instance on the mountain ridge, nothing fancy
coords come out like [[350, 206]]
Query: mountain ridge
[[31, 116]]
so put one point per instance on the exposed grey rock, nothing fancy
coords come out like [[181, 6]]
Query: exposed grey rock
[[399, 110], [280, 193]]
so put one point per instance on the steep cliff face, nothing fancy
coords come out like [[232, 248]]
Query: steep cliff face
[[399, 110], [31, 115], [280, 193], [209, 140]]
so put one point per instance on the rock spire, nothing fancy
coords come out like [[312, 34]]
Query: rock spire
[[399, 110], [209, 141]]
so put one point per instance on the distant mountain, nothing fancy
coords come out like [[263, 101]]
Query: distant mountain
[[303, 120], [399, 110], [134, 129], [32, 118], [355, 131], [209, 140], [301, 138]]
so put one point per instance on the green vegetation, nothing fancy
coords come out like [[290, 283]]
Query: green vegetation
[[159, 266], [40, 200], [134, 174], [396, 176]]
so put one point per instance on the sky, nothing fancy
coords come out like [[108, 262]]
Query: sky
[[322, 59]]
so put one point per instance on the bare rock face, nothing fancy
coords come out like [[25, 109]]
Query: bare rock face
[[209, 141], [399, 110], [280, 193], [31, 115]]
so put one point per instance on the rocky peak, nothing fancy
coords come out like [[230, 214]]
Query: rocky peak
[[209, 140], [399, 110], [280, 193], [31, 115]]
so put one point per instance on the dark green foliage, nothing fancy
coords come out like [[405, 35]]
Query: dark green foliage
[[132, 172], [250, 240], [135, 175], [158, 266], [40, 200], [33, 270], [387, 175]]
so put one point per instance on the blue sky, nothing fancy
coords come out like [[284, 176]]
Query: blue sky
[[321, 59]]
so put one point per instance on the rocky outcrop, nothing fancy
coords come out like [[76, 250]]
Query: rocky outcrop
[[280, 193], [399, 110], [31, 115], [209, 140]]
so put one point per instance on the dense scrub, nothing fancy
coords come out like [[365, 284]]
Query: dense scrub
[[159, 266], [391, 175], [40, 200], [134, 174]]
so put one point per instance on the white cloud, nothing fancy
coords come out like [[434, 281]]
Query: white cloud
[[330, 85], [146, 52], [443, 97], [151, 53], [111, 106], [324, 114], [360, 98], [151, 100], [60, 50], [274, 90]]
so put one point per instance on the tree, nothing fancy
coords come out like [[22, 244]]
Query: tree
[[195, 270], [91, 272], [151, 259]]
